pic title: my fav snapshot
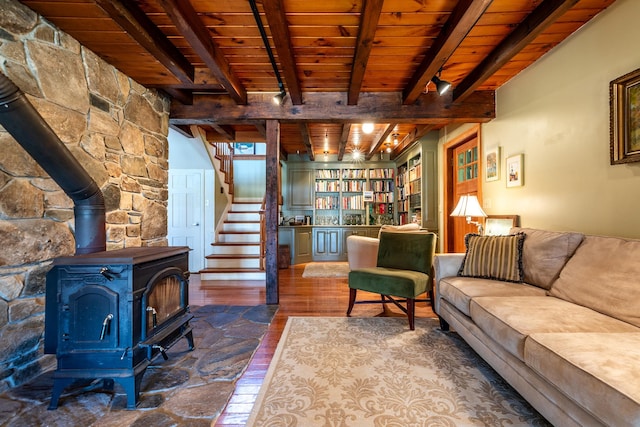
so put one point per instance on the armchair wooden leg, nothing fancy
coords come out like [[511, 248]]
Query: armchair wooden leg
[[411, 305], [352, 300]]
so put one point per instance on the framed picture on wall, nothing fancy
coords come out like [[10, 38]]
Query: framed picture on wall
[[500, 225], [624, 103], [244, 148], [492, 164], [515, 170]]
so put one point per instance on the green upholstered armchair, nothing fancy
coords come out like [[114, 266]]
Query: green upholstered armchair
[[403, 270]]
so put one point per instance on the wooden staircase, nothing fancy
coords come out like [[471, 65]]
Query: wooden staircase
[[237, 253]]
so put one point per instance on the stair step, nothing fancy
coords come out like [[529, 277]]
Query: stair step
[[233, 262], [220, 274], [240, 237], [240, 227], [243, 216], [231, 249], [245, 207]]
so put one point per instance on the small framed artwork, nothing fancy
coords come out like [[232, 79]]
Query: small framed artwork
[[500, 225], [624, 102], [492, 164], [515, 170], [244, 148]]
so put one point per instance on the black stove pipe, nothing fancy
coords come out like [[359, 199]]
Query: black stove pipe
[[26, 125]]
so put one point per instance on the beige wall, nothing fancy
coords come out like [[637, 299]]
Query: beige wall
[[556, 113]]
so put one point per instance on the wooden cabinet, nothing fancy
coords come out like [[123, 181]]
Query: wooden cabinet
[[300, 242], [301, 185], [303, 245], [327, 244], [308, 244]]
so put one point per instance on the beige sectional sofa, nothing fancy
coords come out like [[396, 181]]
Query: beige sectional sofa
[[567, 337]]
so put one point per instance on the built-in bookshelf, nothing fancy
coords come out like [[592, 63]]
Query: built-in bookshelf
[[414, 192], [409, 191], [340, 200], [381, 183]]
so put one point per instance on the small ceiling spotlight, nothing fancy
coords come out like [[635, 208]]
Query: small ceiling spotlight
[[395, 139], [442, 86], [279, 98], [367, 127]]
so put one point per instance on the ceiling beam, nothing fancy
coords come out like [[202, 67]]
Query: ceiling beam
[[415, 134], [196, 34], [180, 95], [306, 140], [277, 19], [461, 21], [226, 131], [381, 140], [344, 138], [331, 107], [369, 17], [139, 27], [261, 127], [534, 24], [183, 130]]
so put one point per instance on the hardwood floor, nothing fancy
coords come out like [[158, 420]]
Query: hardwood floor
[[298, 297]]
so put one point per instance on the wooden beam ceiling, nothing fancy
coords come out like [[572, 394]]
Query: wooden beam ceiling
[[190, 26], [534, 24], [327, 107]]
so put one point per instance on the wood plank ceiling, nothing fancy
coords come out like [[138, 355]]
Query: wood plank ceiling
[[341, 62]]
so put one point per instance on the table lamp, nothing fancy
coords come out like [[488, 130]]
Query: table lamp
[[468, 206]]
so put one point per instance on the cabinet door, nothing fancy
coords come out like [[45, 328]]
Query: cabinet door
[[303, 246], [301, 186], [327, 244]]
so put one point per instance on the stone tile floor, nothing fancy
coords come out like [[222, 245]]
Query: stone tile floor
[[189, 389]]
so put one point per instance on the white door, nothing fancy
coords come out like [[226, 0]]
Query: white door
[[186, 212]]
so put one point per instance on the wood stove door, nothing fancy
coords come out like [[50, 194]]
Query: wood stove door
[[90, 319]]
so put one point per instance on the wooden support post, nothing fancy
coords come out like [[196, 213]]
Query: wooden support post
[[271, 210]]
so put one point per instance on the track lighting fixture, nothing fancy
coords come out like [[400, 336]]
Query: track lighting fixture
[[441, 85], [279, 98]]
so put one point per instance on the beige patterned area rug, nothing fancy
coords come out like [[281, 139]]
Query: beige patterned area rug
[[344, 372], [326, 269]]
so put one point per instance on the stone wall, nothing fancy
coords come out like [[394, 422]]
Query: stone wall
[[116, 128]]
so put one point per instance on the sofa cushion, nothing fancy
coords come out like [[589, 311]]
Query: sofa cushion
[[412, 226], [509, 320], [590, 366], [544, 253], [603, 275], [493, 257], [460, 290]]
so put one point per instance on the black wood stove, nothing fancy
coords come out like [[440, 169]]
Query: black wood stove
[[110, 313]]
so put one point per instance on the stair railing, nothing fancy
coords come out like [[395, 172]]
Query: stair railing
[[224, 153], [263, 234]]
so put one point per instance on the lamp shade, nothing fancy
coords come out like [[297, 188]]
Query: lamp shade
[[468, 206], [441, 85]]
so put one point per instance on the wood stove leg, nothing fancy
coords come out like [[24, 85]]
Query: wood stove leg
[[59, 384], [189, 337], [131, 386]]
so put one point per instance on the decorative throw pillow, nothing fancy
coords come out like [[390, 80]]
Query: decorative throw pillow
[[493, 257]]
